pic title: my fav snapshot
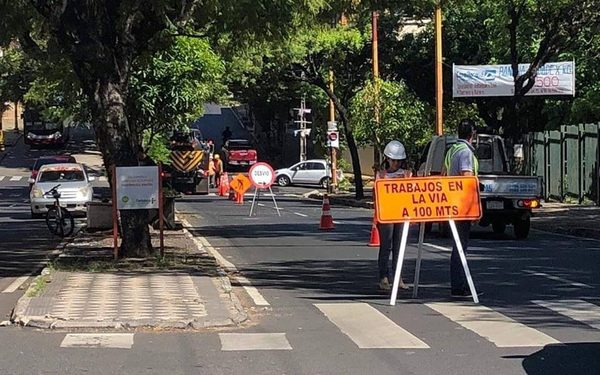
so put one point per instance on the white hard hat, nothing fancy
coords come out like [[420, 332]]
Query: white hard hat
[[395, 150]]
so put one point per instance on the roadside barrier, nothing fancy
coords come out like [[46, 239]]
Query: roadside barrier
[[326, 218]]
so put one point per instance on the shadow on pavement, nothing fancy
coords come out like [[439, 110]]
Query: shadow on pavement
[[573, 359]]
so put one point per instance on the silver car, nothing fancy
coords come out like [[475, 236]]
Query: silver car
[[309, 172], [75, 188]]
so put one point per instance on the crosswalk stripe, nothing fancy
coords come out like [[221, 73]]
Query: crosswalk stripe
[[2, 178], [497, 328], [576, 309], [368, 328], [254, 341], [16, 178], [15, 284], [98, 340]]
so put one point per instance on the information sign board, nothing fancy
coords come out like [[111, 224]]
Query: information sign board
[[262, 175], [427, 199], [137, 188]]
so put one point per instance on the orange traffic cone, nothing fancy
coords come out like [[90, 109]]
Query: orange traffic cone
[[222, 191], [239, 198], [374, 240], [326, 219]]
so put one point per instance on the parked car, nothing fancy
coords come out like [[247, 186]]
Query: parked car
[[45, 160], [238, 153], [309, 172], [75, 188]]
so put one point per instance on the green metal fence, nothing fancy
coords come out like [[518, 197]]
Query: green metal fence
[[568, 160]]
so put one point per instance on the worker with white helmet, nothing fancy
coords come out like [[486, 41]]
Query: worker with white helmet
[[394, 166]]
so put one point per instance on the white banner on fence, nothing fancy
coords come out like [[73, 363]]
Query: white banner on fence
[[497, 80], [137, 188]]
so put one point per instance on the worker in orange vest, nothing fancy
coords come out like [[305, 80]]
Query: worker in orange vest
[[218, 169], [211, 172]]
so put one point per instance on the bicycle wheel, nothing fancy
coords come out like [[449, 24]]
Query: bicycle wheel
[[60, 224]]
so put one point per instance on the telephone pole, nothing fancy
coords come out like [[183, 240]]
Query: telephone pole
[[303, 130], [439, 87], [375, 52]]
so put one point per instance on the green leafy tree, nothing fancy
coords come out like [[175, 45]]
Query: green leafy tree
[[402, 116]]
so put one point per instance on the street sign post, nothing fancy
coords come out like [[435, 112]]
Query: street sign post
[[427, 199], [262, 177]]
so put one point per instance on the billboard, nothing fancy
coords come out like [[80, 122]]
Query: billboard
[[552, 79]]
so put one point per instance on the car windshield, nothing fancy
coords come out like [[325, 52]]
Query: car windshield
[[62, 175]]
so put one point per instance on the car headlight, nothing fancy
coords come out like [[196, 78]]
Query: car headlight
[[57, 135], [30, 135], [37, 193], [84, 191]]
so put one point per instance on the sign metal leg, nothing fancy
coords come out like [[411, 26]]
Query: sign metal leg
[[399, 263], [253, 202], [463, 259], [418, 265], [274, 201]]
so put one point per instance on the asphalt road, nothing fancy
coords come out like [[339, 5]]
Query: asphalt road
[[316, 309]]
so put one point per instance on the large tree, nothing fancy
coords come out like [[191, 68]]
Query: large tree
[[102, 39]]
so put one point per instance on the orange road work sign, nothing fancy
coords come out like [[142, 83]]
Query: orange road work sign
[[427, 199], [240, 184]]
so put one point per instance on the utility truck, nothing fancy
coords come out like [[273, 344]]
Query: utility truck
[[506, 199]]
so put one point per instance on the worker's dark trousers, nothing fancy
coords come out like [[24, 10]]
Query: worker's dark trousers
[[458, 280], [389, 242]]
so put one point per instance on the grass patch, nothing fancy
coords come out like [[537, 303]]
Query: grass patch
[[38, 286]]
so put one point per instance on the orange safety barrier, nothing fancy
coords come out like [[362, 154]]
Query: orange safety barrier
[[326, 218]]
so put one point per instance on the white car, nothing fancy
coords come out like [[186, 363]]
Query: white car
[[309, 172], [75, 188]]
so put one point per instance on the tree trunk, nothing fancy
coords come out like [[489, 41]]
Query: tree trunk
[[119, 146]]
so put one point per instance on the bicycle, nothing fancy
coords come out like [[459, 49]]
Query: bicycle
[[59, 221]]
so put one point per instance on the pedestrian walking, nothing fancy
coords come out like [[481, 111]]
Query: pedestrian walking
[[211, 172], [460, 160], [218, 163], [394, 166]]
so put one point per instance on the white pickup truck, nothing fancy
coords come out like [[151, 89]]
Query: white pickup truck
[[505, 198]]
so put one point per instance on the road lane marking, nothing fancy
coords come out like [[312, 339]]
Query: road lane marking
[[559, 279], [299, 214], [2, 178], [98, 340], [254, 341], [202, 243], [576, 309], [497, 328], [15, 284], [437, 247], [368, 328], [16, 178]]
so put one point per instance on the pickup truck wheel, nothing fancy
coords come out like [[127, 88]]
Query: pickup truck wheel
[[521, 227], [499, 227], [283, 180]]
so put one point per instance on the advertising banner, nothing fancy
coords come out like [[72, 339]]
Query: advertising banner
[[552, 79], [137, 188]]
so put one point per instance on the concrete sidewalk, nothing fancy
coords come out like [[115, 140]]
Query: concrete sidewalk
[[570, 219], [186, 290]]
